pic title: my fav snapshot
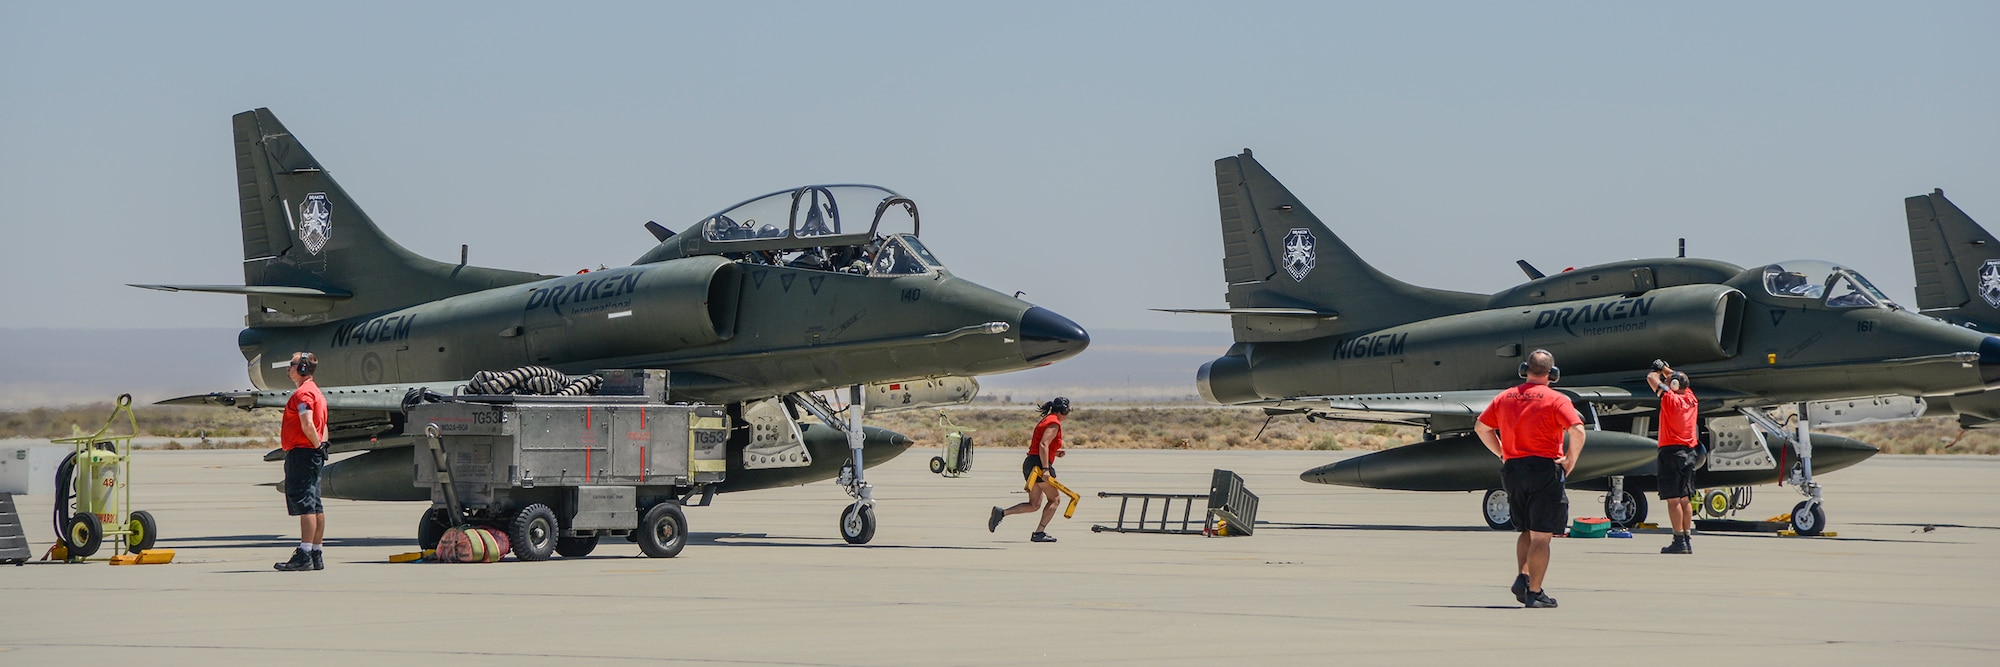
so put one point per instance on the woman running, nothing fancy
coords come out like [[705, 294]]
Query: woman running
[[1043, 448]]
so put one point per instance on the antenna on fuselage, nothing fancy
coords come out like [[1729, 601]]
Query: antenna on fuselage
[[1684, 247]]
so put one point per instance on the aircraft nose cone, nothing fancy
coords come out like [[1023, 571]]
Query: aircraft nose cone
[[1989, 361], [1048, 338]]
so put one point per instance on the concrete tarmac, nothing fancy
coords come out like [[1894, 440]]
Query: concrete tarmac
[[1332, 576]]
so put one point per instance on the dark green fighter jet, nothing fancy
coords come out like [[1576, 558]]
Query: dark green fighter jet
[[757, 307], [1319, 332], [1958, 280]]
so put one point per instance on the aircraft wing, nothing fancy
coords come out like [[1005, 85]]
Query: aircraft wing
[[359, 417], [1455, 411]]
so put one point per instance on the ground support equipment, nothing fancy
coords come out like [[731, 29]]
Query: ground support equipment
[[957, 457], [13, 540], [1232, 510], [1039, 476], [98, 478]]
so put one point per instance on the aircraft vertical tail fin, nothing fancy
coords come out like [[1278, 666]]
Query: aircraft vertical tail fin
[[1291, 278], [1957, 262], [301, 232]]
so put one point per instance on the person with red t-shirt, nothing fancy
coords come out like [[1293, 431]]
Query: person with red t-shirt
[[1526, 427], [1043, 448], [302, 433], [1679, 412]]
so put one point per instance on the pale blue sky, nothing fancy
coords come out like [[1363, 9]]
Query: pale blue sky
[[1063, 149]]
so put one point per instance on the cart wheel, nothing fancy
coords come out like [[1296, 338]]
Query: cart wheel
[[663, 532], [1498, 514], [533, 532], [141, 531], [857, 524], [1808, 519], [83, 535], [937, 465], [1716, 503], [1627, 509], [576, 547], [431, 527]]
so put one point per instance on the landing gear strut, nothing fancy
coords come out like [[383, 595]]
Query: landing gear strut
[[1623, 507], [1808, 517], [857, 521]]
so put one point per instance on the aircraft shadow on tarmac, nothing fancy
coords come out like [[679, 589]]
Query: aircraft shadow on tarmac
[[1273, 525], [766, 540], [273, 541]]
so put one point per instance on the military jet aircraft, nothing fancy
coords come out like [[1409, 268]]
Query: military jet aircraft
[[1319, 332], [1958, 280], [756, 307]]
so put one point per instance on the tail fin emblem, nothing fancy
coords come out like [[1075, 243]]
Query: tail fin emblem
[[315, 222], [1299, 255], [1989, 282]]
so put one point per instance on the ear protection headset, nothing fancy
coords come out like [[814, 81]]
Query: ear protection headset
[[1555, 372], [1678, 381], [306, 363]]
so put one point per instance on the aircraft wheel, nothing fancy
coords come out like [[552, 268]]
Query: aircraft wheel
[[141, 531], [857, 524], [575, 547], [1715, 503], [1808, 519], [431, 528], [533, 532], [1627, 509], [663, 532], [1499, 515], [83, 535], [937, 465]]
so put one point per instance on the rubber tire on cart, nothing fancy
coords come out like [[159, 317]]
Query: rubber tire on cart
[[857, 524], [533, 532], [1715, 503], [1808, 519], [663, 532], [141, 531], [576, 547], [937, 465], [83, 534], [1494, 509], [1628, 514], [431, 528]]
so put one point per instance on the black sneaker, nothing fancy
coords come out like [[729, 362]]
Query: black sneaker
[[319, 559], [993, 522], [1040, 537], [1679, 546], [1521, 588], [300, 562], [1539, 600]]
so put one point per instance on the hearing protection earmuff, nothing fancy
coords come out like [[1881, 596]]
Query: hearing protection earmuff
[[306, 363], [1555, 372]]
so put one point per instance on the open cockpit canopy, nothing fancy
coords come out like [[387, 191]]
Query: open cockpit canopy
[[851, 228], [1816, 280]]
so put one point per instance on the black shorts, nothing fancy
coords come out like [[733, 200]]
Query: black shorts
[[1029, 465], [1676, 469], [1535, 494], [302, 482]]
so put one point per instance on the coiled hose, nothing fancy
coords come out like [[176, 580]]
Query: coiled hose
[[535, 380], [65, 474]]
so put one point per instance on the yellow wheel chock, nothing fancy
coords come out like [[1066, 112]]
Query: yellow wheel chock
[[1068, 513]]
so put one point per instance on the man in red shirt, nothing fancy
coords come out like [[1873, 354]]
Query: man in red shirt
[[1678, 413], [302, 433], [1526, 427]]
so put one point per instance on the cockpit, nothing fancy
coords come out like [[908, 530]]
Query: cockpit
[[1816, 280], [860, 229]]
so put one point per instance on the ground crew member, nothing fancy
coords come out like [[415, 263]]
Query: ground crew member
[[1043, 448], [1678, 413], [302, 433], [1526, 427]]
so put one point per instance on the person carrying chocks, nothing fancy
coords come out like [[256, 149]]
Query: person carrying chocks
[[302, 433], [1044, 446], [1679, 412], [1526, 427]]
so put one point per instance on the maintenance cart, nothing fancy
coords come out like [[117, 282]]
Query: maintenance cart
[[558, 473]]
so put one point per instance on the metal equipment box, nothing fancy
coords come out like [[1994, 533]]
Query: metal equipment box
[[30, 470], [596, 444]]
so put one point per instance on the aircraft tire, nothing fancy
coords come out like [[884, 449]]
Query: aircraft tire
[[141, 531], [857, 524], [1808, 519], [1495, 510], [575, 547], [84, 535], [533, 532], [431, 527], [1629, 513], [663, 532]]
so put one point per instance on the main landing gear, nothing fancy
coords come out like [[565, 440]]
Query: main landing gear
[[857, 521], [1809, 516]]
